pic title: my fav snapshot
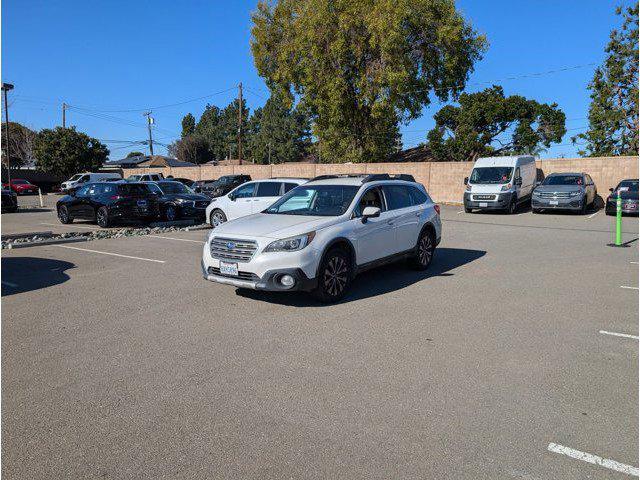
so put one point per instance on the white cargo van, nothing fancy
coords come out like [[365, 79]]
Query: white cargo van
[[500, 183], [85, 178]]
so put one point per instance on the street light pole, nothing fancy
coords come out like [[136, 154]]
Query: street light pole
[[5, 88]]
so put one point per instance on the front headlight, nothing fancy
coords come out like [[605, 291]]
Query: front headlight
[[290, 244], [506, 187], [536, 192]]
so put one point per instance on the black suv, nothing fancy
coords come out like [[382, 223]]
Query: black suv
[[108, 202], [179, 201], [9, 200], [224, 185]]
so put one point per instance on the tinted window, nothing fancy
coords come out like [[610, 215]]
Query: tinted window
[[491, 175], [133, 189], [418, 197], [289, 186], [19, 182], [154, 188], [268, 189], [397, 196], [245, 191], [563, 180], [84, 178], [174, 187]]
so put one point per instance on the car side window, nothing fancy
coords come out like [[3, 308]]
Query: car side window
[[589, 180], [154, 188], [244, 191], [370, 198], [288, 186], [517, 174], [109, 189], [83, 179], [397, 196], [418, 197], [268, 189], [83, 191]]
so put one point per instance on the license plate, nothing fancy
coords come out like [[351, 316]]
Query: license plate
[[229, 269], [483, 204], [553, 202], [630, 206], [142, 203]]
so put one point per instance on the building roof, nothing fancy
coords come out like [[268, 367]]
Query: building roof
[[148, 161]]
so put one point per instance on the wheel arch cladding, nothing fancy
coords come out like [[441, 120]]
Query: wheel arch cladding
[[344, 244], [428, 227]]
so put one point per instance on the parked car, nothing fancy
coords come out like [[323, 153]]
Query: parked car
[[628, 192], [81, 179], [248, 198], [198, 184], [147, 177], [178, 201], [500, 183], [109, 202], [21, 186], [564, 191], [185, 181], [224, 185], [9, 201], [320, 235]]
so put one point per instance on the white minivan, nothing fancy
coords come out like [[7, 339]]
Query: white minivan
[[84, 178], [500, 183], [248, 198]]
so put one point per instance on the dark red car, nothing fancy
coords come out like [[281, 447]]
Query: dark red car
[[21, 187]]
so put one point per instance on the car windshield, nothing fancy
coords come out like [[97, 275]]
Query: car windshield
[[18, 181], [563, 180], [133, 189], [628, 185], [169, 188], [315, 200], [75, 177], [491, 175]]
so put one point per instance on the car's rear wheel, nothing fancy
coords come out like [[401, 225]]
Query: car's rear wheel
[[334, 276], [583, 209], [217, 218], [170, 213], [102, 217], [424, 250], [63, 215]]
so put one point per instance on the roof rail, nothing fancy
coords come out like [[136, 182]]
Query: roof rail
[[385, 176], [339, 175]]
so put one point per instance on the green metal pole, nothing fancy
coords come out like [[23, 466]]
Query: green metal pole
[[618, 221]]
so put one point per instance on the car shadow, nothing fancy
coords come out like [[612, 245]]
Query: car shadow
[[29, 210], [379, 281], [25, 274]]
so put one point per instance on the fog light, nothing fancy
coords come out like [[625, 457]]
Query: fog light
[[287, 281]]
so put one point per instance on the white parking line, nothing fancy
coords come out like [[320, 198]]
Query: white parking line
[[635, 263], [109, 253], [594, 459], [178, 239], [9, 284], [69, 226], [628, 288], [615, 334], [593, 215], [461, 211]]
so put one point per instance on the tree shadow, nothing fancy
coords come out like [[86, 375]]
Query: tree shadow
[[378, 281], [24, 274]]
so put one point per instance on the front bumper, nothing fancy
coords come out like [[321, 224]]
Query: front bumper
[[193, 212], [499, 201], [568, 203], [268, 282]]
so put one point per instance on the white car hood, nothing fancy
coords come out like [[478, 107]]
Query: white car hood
[[486, 188], [273, 225]]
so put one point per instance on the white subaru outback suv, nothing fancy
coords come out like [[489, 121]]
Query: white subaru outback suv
[[321, 234]]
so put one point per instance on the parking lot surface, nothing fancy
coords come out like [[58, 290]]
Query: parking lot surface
[[120, 361]]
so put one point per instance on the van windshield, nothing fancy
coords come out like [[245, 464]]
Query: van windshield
[[487, 175], [75, 177]]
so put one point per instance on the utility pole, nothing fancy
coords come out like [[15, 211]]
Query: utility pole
[[5, 88], [240, 123], [149, 123], [269, 152], [64, 115]]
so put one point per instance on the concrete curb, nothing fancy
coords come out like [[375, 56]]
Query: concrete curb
[[175, 223], [43, 243], [198, 227], [13, 236]]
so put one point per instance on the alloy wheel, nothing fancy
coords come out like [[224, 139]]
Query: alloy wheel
[[425, 250], [170, 213], [217, 219], [335, 276], [63, 215], [102, 218]]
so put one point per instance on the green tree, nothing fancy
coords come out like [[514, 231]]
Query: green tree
[[279, 132], [488, 123], [21, 143], [134, 154], [359, 67], [65, 151], [613, 113], [220, 129], [188, 125]]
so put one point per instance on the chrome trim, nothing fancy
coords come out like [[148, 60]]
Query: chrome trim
[[240, 251]]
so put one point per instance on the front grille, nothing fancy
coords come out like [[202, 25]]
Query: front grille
[[484, 197], [233, 249], [252, 277], [554, 195]]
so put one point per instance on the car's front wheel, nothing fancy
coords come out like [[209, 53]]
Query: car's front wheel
[[334, 276], [63, 215], [170, 213], [217, 218], [424, 250], [102, 217]]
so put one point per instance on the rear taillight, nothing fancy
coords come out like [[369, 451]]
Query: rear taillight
[[436, 207]]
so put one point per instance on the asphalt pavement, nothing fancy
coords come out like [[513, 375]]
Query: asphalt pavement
[[120, 361]]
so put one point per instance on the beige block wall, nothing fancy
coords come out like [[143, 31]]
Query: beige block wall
[[444, 180]]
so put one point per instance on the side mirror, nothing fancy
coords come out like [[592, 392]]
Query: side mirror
[[611, 190], [466, 180], [370, 212]]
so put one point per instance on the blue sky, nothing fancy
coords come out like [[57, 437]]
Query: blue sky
[[109, 56]]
